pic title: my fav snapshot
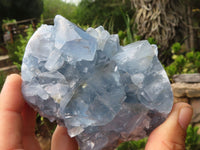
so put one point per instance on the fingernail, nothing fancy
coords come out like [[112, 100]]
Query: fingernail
[[185, 116]]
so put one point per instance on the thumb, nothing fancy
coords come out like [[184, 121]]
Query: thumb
[[62, 141], [171, 134]]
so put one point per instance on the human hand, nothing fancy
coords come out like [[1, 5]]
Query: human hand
[[171, 134], [17, 122]]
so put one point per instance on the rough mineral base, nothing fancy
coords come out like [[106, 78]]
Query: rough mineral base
[[102, 92]]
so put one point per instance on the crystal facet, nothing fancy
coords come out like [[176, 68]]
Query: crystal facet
[[102, 92]]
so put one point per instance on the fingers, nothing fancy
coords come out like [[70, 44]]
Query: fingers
[[62, 141], [29, 140], [171, 134], [11, 105]]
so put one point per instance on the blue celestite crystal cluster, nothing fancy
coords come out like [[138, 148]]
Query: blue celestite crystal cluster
[[102, 92]]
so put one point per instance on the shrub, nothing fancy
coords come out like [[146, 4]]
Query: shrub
[[192, 141], [184, 62], [133, 145], [152, 40], [16, 50]]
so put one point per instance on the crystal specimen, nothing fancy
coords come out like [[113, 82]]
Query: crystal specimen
[[102, 92]]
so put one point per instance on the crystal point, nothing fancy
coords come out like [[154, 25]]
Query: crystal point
[[102, 92]]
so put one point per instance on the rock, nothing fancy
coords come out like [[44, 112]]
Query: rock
[[193, 91], [186, 90], [196, 111], [179, 89], [187, 78], [102, 92], [182, 99]]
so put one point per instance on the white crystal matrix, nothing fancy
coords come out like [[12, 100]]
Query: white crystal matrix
[[102, 92]]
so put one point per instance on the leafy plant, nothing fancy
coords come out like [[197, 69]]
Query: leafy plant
[[104, 12], [54, 7], [16, 49], [176, 47], [152, 40], [188, 62], [9, 21], [133, 145], [128, 28], [192, 141], [130, 34]]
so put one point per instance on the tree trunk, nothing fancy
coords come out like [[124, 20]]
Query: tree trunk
[[190, 24], [186, 31], [157, 19]]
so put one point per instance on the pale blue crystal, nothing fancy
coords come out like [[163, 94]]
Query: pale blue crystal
[[102, 92]]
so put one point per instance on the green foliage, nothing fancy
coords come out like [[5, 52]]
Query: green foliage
[[152, 40], [176, 47], [54, 7], [188, 62], [2, 79], [22, 45], [128, 28], [129, 35], [133, 145], [192, 141], [104, 12], [16, 49], [125, 39], [9, 20]]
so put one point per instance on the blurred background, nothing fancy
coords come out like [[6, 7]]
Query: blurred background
[[174, 25]]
